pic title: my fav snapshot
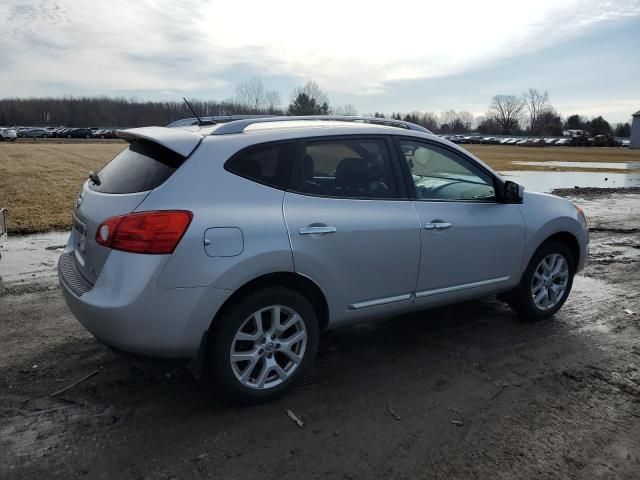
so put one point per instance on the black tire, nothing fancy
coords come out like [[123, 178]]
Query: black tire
[[232, 318], [521, 299]]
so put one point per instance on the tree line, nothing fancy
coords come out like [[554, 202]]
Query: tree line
[[529, 113]]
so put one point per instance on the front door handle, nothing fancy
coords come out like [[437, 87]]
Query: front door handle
[[316, 229], [437, 225]]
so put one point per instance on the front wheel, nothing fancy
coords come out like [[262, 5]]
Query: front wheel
[[263, 343], [545, 284]]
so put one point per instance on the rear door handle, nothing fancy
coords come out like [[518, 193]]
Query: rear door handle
[[437, 226], [312, 230]]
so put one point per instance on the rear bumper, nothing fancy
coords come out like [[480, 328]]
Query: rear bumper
[[127, 310]]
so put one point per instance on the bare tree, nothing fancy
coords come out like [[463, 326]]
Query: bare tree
[[251, 95], [273, 101], [506, 110], [348, 110], [466, 119], [448, 117], [456, 122], [429, 120], [536, 104], [313, 91]]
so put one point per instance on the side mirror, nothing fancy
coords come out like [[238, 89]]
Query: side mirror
[[512, 192]]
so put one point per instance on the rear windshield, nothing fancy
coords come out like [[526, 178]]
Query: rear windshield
[[140, 167]]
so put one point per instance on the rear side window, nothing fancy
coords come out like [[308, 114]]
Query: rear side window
[[140, 167], [267, 164], [349, 168]]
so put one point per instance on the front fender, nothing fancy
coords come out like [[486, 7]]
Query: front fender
[[546, 215]]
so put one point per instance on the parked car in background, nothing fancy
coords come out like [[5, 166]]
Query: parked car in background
[[563, 142], [102, 133], [317, 222], [79, 133], [8, 134], [606, 141], [34, 133]]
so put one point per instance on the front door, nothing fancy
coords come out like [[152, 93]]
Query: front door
[[352, 229], [470, 244]]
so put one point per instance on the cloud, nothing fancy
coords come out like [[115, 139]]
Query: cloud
[[356, 48]]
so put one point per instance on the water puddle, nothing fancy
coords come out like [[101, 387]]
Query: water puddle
[[26, 257], [600, 165], [547, 181]]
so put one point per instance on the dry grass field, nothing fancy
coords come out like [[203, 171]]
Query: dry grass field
[[503, 157], [39, 181]]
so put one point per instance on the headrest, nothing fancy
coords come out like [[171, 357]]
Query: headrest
[[352, 173]]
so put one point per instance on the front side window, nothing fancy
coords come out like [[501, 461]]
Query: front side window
[[439, 174], [350, 168], [267, 164]]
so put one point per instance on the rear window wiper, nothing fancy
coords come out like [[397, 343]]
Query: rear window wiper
[[94, 178]]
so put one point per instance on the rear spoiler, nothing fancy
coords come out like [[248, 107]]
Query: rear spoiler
[[182, 142]]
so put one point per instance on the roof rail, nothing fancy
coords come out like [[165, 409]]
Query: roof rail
[[184, 122], [238, 126]]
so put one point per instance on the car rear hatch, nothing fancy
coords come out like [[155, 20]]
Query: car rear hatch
[[152, 155]]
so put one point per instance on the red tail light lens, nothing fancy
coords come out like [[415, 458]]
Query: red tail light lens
[[144, 232]]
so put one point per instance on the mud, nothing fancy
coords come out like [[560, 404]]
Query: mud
[[466, 391]]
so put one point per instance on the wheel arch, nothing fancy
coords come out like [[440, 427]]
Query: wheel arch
[[295, 281], [566, 238], [569, 240], [292, 280]]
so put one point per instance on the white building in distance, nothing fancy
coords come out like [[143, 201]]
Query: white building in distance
[[635, 131]]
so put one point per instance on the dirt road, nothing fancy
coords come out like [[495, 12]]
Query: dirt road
[[466, 391]]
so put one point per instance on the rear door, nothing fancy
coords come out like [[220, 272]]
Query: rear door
[[471, 244], [123, 184], [352, 228]]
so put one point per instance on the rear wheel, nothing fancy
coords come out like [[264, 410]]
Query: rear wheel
[[545, 284], [263, 343]]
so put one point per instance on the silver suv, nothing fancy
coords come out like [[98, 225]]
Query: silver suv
[[235, 244]]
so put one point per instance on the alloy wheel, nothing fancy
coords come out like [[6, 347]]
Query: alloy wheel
[[550, 281], [268, 347]]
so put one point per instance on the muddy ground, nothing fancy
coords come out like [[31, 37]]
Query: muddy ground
[[467, 391]]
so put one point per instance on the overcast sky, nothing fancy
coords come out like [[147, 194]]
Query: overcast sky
[[378, 56]]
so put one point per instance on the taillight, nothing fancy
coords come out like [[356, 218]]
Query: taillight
[[144, 232]]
